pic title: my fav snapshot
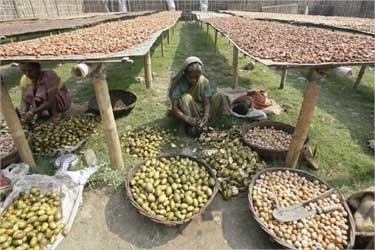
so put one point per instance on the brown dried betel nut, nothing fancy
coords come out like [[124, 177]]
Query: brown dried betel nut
[[104, 38], [301, 45]]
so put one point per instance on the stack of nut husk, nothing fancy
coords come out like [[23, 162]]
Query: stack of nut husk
[[286, 188], [294, 44], [6, 141], [104, 38], [234, 162]]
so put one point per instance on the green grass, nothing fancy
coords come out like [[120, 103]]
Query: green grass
[[343, 119]]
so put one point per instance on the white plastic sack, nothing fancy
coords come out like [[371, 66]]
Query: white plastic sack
[[344, 72], [203, 5], [69, 183], [255, 114], [171, 5]]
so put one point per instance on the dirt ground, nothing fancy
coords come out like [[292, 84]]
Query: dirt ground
[[107, 220]]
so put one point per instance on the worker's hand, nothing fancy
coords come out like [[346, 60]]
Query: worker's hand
[[204, 122], [192, 121], [28, 116]]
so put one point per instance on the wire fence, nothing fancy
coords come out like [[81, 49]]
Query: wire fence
[[14, 9]]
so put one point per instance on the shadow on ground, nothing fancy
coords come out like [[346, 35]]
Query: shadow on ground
[[119, 212], [224, 224]]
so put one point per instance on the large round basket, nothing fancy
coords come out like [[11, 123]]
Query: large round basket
[[309, 177], [13, 157], [266, 152], [135, 169], [126, 97]]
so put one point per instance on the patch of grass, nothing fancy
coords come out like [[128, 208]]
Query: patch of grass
[[343, 119]]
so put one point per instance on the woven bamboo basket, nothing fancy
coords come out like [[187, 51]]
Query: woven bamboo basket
[[266, 152], [135, 169], [309, 177]]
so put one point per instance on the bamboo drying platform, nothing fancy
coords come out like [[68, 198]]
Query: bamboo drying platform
[[203, 16], [365, 26], [140, 49], [31, 26]]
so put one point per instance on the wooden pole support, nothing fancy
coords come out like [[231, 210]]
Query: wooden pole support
[[168, 37], [207, 30], [148, 71], [283, 77], [215, 51], [162, 44], [106, 114], [235, 66], [359, 78], [15, 127], [304, 120]]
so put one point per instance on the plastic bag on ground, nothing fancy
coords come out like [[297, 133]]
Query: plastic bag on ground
[[69, 183]]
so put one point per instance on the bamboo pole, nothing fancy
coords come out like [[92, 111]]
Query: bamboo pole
[[15, 127], [168, 37], [283, 77], [235, 66], [162, 44], [215, 51], [106, 114], [148, 71], [359, 78], [207, 34], [304, 120]]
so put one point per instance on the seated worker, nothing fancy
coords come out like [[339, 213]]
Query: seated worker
[[252, 100], [43, 92], [193, 100]]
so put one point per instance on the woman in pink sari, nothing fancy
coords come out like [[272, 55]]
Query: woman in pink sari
[[43, 92]]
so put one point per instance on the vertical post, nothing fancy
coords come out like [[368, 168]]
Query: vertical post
[[207, 30], [162, 43], [215, 51], [148, 72], [57, 8], [283, 77], [106, 114], [16, 130], [359, 78], [304, 120], [235, 66], [168, 36]]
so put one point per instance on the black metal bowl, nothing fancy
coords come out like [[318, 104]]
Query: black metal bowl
[[129, 100]]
